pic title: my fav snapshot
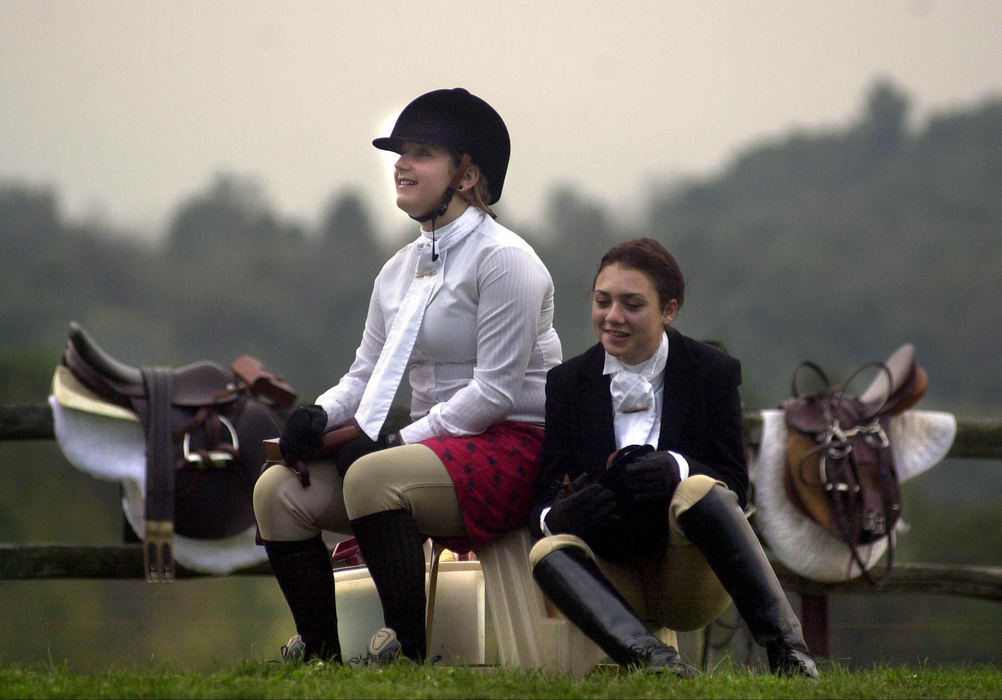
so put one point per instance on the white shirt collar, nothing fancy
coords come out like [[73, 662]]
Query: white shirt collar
[[454, 230], [649, 369]]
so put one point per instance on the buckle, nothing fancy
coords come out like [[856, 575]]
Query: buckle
[[219, 458]]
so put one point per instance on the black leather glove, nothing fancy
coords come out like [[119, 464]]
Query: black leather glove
[[584, 509], [651, 479], [614, 476], [346, 455], [642, 481], [303, 432]]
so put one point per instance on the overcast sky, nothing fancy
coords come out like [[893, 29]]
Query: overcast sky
[[126, 107]]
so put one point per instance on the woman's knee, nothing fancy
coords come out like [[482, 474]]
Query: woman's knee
[[550, 544], [267, 488], [690, 492], [280, 508]]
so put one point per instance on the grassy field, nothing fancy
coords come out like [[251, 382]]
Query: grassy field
[[257, 680]]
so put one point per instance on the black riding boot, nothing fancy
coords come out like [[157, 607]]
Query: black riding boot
[[573, 583], [394, 552], [304, 573], [719, 528]]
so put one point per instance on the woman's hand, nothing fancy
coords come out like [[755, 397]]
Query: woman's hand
[[303, 432], [362, 445], [651, 479], [586, 508]]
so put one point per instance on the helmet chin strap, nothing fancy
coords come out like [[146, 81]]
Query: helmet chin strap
[[464, 165], [443, 205]]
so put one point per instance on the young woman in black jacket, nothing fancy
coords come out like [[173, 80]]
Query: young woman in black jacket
[[643, 481]]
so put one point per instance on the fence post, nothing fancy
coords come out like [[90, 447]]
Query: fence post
[[814, 617]]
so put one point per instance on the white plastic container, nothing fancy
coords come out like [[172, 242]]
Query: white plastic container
[[529, 635], [458, 628]]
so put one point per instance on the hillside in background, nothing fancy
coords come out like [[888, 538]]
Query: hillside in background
[[834, 245]]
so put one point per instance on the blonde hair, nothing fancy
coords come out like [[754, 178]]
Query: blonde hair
[[479, 193]]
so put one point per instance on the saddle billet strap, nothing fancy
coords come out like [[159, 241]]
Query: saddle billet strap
[[890, 490], [158, 559], [158, 555], [848, 528]]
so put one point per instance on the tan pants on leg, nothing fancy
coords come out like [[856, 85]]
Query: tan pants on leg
[[409, 477], [675, 588]]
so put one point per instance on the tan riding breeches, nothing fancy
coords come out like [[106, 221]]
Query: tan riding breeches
[[674, 589], [409, 477]]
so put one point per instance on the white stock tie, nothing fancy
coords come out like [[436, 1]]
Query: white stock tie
[[631, 392], [396, 351], [633, 395]]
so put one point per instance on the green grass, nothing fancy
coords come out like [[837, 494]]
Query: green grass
[[269, 680]]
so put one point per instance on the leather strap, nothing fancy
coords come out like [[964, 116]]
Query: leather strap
[[443, 204], [158, 551]]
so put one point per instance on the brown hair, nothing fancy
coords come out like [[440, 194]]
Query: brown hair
[[648, 256]]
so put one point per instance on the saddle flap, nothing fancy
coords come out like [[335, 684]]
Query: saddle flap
[[803, 481], [202, 383]]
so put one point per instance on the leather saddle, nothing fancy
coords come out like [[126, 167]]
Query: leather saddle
[[840, 469], [203, 426]]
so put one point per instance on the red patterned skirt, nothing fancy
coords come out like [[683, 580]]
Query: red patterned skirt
[[495, 478]]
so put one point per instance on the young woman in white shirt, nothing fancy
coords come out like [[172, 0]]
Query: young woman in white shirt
[[466, 311]]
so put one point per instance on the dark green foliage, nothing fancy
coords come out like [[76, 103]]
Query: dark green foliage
[[840, 246]]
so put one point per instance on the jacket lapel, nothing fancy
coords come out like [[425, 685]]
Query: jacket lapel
[[677, 392], [596, 405]]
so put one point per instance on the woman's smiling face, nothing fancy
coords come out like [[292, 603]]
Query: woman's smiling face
[[421, 174], [627, 314]]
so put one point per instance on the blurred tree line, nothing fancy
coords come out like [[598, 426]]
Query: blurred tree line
[[835, 245]]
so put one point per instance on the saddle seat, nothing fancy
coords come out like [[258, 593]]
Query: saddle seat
[[201, 383]]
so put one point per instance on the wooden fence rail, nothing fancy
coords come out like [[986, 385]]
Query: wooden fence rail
[[975, 439]]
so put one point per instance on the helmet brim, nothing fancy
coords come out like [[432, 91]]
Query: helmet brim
[[388, 143]]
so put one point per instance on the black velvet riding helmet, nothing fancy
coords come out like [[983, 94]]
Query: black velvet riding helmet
[[461, 122]]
